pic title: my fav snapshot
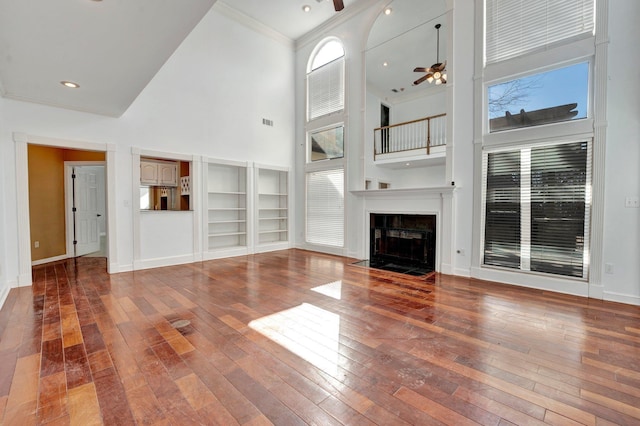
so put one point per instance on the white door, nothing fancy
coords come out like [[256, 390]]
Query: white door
[[87, 214]]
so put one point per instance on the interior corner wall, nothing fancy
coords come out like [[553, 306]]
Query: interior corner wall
[[621, 245], [46, 202]]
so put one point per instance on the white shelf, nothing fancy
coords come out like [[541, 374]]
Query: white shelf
[[226, 234], [272, 186], [226, 205], [226, 193]]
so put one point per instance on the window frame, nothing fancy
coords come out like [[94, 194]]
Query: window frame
[[525, 252], [587, 47], [537, 72], [324, 122]]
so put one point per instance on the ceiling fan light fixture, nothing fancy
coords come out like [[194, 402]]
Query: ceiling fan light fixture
[[436, 71]]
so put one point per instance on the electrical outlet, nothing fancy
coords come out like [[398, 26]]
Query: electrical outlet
[[36, 244], [608, 268], [632, 202]]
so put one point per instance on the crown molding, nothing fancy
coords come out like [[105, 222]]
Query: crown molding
[[326, 27], [247, 21]]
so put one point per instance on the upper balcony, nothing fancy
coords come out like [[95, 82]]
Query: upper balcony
[[419, 142]]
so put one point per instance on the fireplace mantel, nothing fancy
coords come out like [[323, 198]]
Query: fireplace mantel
[[406, 192], [438, 200]]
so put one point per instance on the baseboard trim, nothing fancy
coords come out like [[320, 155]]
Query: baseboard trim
[[163, 261], [462, 272], [4, 292], [621, 298], [49, 259]]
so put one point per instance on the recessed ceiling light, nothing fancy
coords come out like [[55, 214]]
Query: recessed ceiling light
[[385, 64], [306, 8], [388, 11], [70, 84]]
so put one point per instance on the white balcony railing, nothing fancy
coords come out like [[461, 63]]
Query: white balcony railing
[[424, 133]]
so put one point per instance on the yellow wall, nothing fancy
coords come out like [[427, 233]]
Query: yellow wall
[[46, 197]]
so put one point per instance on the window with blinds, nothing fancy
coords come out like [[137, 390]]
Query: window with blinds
[[537, 209], [516, 27], [502, 210], [325, 207], [325, 87]]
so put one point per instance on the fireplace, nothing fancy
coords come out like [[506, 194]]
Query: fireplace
[[403, 242]]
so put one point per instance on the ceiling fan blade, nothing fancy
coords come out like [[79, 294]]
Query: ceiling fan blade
[[439, 67], [338, 4], [421, 79], [420, 69]]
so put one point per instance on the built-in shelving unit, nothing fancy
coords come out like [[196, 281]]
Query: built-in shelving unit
[[226, 203], [272, 204]]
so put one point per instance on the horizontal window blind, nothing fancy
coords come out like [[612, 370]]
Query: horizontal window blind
[[325, 207], [502, 210], [559, 176], [325, 86], [537, 209], [515, 27]]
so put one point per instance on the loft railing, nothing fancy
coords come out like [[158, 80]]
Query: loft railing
[[424, 133]]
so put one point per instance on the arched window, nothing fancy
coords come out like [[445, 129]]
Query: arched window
[[325, 79]]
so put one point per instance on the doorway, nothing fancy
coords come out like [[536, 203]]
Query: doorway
[[385, 119], [85, 208], [108, 152]]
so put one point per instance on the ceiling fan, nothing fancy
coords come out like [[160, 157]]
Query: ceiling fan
[[436, 71], [338, 4]]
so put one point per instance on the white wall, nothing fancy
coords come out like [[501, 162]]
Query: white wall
[[207, 100], [622, 225]]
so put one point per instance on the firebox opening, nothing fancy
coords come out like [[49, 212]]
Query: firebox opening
[[403, 243]]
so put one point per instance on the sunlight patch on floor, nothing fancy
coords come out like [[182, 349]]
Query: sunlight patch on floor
[[306, 330]]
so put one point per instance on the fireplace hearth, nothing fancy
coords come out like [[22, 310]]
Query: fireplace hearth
[[403, 243]]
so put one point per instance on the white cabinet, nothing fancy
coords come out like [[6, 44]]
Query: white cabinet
[[226, 203], [272, 202], [158, 173]]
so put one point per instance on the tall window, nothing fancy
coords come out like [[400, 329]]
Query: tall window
[[325, 145], [537, 203], [536, 185]]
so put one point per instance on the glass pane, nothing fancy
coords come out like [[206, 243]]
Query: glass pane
[[327, 144], [558, 189], [325, 208], [549, 97], [502, 214], [330, 51]]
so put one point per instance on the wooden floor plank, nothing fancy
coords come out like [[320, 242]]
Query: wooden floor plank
[[296, 337]]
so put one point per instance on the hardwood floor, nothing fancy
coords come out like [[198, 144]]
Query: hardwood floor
[[296, 337]]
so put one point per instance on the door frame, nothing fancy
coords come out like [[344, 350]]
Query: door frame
[[68, 200], [22, 141]]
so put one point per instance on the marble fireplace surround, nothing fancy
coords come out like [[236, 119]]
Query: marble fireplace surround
[[438, 201]]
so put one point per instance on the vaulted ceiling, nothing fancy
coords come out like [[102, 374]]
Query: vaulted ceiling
[[113, 48]]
